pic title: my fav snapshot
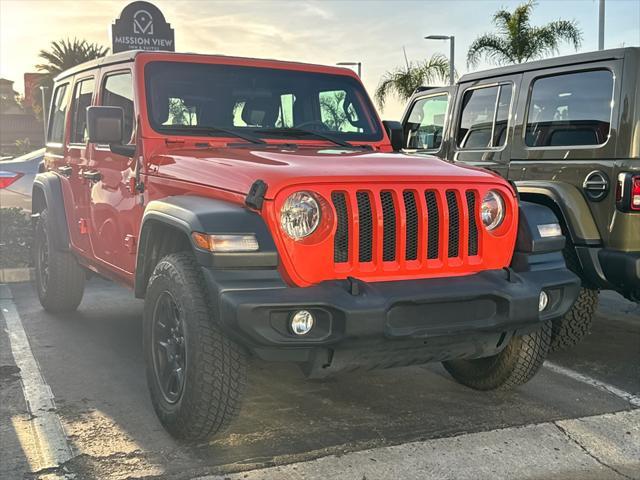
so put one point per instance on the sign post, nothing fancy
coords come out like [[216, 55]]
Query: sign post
[[141, 26]]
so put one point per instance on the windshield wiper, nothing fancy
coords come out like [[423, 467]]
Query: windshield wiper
[[313, 133], [215, 130]]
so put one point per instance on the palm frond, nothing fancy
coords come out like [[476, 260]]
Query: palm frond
[[491, 47], [402, 82]]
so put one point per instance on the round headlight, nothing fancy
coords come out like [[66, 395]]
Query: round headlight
[[492, 210], [300, 215]]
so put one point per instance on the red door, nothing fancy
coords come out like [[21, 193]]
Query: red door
[[114, 210]]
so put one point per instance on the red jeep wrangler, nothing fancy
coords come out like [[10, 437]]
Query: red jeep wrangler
[[260, 211]]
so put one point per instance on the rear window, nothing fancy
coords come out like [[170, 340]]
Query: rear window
[[570, 110], [484, 117], [267, 102]]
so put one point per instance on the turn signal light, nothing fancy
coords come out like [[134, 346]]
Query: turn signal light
[[7, 178], [225, 243]]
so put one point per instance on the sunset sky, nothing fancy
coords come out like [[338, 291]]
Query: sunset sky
[[326, 32]]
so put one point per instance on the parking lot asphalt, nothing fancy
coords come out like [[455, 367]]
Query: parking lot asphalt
[[93, 364]]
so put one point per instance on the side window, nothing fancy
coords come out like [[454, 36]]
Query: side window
[[570, 109], [58, 115], [484, 118], [118, 92], [82, 95], [425, 125]]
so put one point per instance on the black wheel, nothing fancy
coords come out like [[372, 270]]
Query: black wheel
[[59, 278], [515, 365], [196, 375]]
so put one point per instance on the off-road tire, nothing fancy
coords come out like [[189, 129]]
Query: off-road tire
[[216, 367], [570, 329], [59, 278], [576, 323], [515, 365]]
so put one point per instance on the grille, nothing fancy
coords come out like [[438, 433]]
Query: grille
[[414, 218], [388, 226], [473, 225], [341, 240], [454, 224], [366, 227]]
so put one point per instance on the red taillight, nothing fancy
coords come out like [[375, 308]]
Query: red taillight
[[635, 193], [7, 178]]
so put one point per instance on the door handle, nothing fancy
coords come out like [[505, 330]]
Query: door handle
[[92, 175], [65, 171]]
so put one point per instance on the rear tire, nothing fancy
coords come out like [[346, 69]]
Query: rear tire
[[515, 365], [59, 278], [196, 375]]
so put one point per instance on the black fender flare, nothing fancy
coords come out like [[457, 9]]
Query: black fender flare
[[569, 204], [190, 213], [48, 186]]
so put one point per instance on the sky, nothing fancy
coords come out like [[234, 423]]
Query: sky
[[320, 31]]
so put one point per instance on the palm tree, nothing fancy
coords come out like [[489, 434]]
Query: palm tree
[[518, 41], [403, 81], [64, 54]]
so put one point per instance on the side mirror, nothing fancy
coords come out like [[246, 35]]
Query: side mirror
[[396, 134], [106, 125]]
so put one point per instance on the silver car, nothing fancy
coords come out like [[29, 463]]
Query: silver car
[[16, 179]]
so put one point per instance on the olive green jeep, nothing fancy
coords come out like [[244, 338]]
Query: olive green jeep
[[566, 131]]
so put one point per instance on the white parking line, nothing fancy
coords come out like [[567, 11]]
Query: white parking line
[[44, 443], [629, 397]]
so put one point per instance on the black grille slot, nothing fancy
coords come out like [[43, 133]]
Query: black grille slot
[[366, 226], [411, 213], [473, 225], [341, 240], [388, 226], [433, 225], [454, 224]]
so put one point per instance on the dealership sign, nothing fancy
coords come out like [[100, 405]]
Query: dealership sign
[[141, 26]]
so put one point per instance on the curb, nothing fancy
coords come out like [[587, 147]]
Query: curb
[[16, 275]]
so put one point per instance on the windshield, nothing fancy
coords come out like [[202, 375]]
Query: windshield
[[264, 102]]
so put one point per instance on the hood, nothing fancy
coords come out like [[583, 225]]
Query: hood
[[236, 169]]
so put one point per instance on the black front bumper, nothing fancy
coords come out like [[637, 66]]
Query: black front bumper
[[384, 324]]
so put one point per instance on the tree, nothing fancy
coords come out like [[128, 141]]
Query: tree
[[517, 41], [63, 55], [403, 81]]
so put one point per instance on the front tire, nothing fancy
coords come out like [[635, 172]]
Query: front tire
[[576, 323], [515, 365], [59, 278], [196, 375]]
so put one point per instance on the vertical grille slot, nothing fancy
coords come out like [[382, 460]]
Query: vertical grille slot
[[341, 239], [454, 224], [473, 225], [388, 226], [366, 226], [411, 214], [433, 225]]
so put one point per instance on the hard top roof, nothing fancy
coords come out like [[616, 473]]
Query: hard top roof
[[601, 55], [128, 56]]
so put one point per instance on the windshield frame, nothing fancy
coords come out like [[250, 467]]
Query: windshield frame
[[376, 136]]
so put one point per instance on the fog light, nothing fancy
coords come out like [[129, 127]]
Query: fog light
[[302, 322], [544, 301]]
